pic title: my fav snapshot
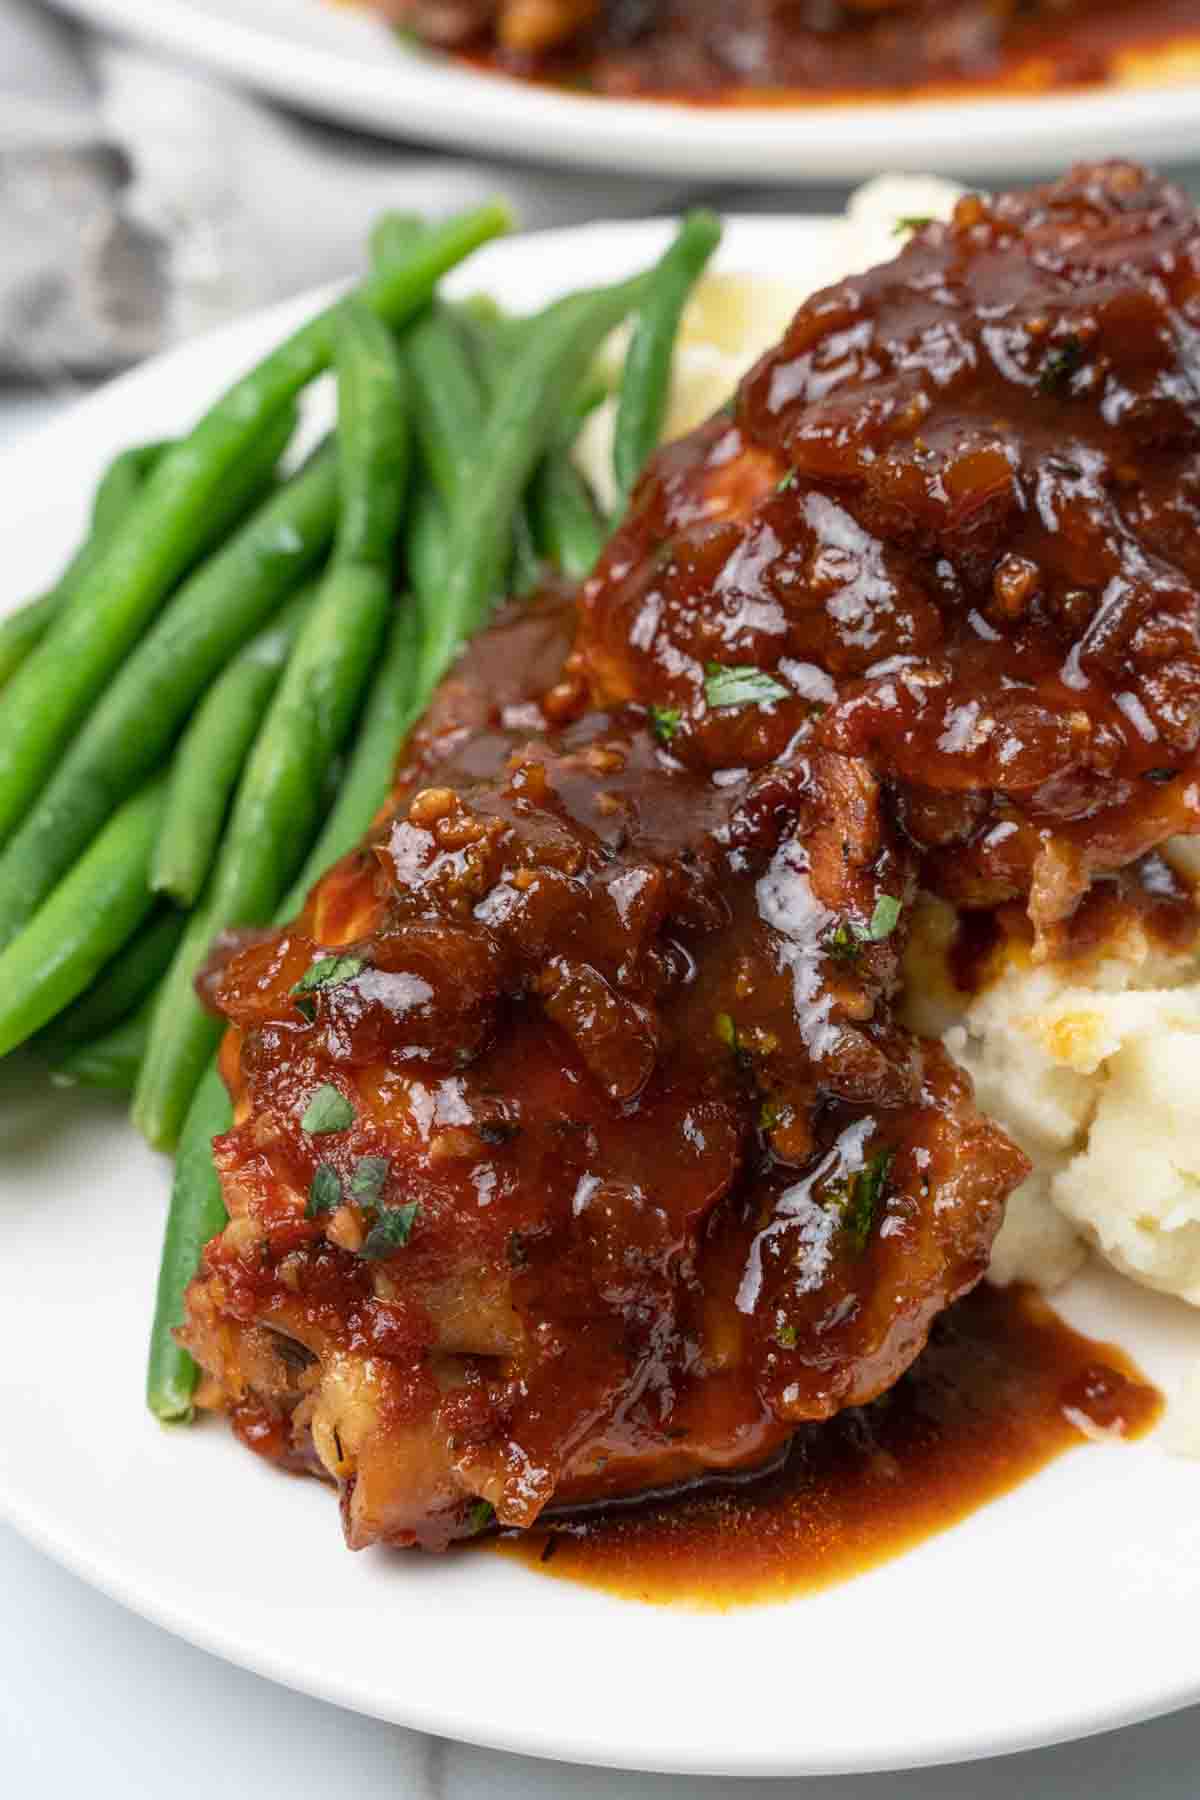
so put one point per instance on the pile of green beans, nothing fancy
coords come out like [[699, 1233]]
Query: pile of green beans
[[205, 711]]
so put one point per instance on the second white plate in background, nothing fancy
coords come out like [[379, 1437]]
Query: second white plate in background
[[326, 58]]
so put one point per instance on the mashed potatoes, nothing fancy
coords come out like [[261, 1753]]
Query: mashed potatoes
[[1093, 1068]]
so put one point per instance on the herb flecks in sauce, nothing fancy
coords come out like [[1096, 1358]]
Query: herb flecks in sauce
[[328, 1110], [725, 686], [391, 1230]]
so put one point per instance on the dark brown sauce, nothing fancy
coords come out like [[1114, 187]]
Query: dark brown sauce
[[1003, 1388]]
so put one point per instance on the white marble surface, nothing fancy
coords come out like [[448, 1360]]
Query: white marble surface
[[96, 1701]]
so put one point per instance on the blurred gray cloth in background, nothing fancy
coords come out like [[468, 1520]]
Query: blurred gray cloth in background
[[141, 200]]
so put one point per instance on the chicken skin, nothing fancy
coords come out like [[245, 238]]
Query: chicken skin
[[578, 1150]]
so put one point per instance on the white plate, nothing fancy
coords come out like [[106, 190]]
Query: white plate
[[331, 60], [1066, 1607]]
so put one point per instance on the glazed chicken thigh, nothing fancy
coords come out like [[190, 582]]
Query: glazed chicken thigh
[[578, 1150]]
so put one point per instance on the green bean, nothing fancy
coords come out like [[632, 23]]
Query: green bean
[[374, 441], [122, 482], [427, 535], [491, 345], [427, 545], [132, 727], [493, 338], [427, 552], [277, 808], [571, 533], [592, 392], [89, 915], [526, 572], [647, 375], [449, 396], [450, 410], [23, 629], [118, 493], [484, 309], [195, 1216], [53, 689], [211, 755], [558, 519], [551, 360], [119, 988], [109, 1061], [394, 235], [367, 781], [447, 399]]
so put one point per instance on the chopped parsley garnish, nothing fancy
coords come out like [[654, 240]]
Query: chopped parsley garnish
[[725, 686], [327, 1110], [391, 1227], [848, 936], [1160, 774], [770, 1114], [911, 222], [866, 1191], [329, 971], [368, 1180], [480, 1516], [727, 1033], [325, 1191], [845, 940], [391, 1230], [1055, 374], [785, 1337], [788, 481], [664, 722], [884, 919]]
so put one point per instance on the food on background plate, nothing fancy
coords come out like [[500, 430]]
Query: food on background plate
[[581, 1146], [792, 50]]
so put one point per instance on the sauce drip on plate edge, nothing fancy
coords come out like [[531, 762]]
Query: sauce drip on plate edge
[[1004, 1387]]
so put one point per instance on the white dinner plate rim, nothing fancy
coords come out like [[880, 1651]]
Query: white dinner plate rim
[[290, 50], [164, 388]]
